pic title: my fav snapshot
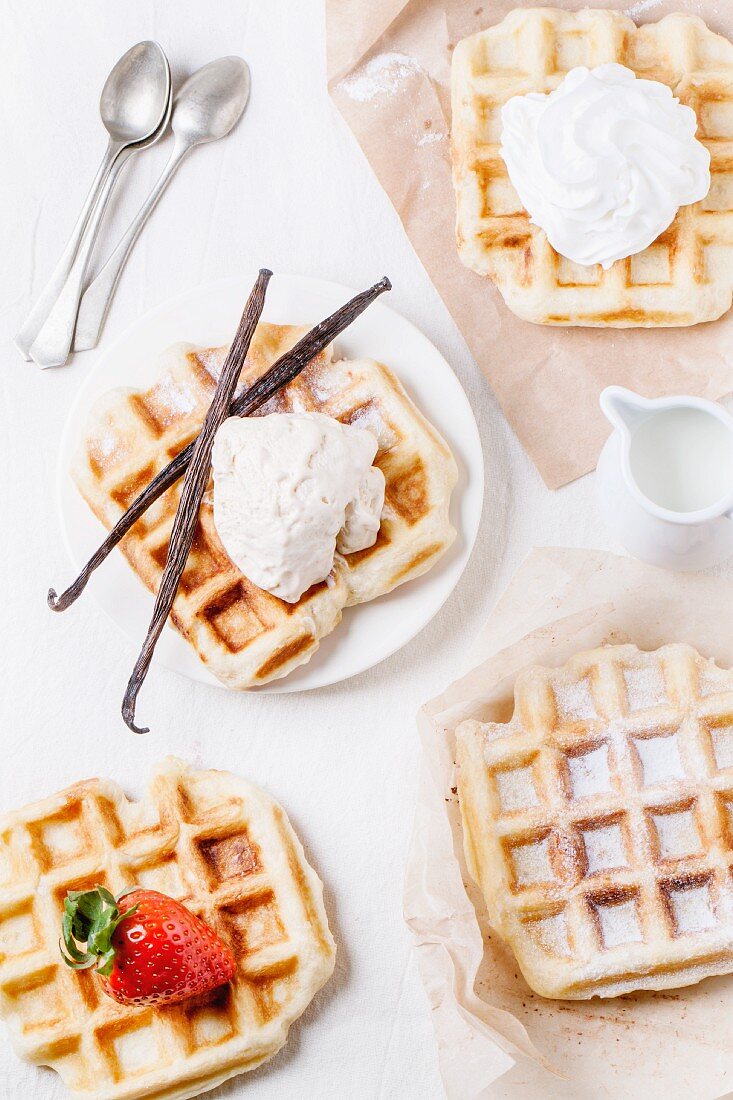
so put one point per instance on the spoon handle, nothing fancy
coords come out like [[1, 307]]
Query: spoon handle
[[44, 303], [98, 295], [52, 345]]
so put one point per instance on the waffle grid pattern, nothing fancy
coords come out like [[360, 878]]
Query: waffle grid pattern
[[223, 849], [599, 822], [686, 276], [245, 635]]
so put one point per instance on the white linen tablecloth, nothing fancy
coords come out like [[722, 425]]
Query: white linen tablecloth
[[288, 189]]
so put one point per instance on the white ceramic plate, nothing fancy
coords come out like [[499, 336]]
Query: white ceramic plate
[[208, 316]]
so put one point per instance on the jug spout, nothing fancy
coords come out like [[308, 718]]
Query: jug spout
[[623, 408]]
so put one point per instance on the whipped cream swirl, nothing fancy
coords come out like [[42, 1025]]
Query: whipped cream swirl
[[604, 162]]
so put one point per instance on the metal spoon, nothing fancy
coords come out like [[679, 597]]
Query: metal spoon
[[123, 83], [135, 101], [206, 108]]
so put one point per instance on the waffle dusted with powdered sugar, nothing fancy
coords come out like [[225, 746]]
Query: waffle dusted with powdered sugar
[[599, 821]]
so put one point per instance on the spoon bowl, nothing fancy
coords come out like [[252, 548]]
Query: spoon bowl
[[134, 107], [206, 108], [135, 94], [211, 101]]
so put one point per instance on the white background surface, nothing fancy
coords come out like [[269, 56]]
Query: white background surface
[[288, 189]]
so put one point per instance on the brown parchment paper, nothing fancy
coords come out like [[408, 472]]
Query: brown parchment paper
[[389, 75], [496, 1039]]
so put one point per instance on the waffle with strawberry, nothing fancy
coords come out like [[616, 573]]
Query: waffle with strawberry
[[207, 863]]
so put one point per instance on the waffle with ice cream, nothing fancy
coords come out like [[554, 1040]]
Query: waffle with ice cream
[[227, 851], [598, 822], [684, 273], [245, 635]]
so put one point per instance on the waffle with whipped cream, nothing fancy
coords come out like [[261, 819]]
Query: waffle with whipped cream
[[244, 635], [216, 843], [686, 275], [598, 822]]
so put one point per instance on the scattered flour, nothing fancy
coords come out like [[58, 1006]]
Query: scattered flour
[[382, 74], [642, 7], [431, 137]]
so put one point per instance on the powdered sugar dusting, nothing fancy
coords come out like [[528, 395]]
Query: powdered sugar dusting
[[381, 75], [109, 448], [604, 848], [551, 934], [324, 384], [532, 862], [177, 397], [574, 701], [691, 909], [723, 745], [677, 834], [212, 360], [6, 867], [645, 687], [713, 680], [107, 444], [589, 772], [619, 923], [660, 758], [369, 417], [516, 789]]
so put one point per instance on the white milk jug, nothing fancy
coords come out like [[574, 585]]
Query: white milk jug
[[665, 478]]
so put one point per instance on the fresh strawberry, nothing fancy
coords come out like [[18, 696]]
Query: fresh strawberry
[[148, 951]]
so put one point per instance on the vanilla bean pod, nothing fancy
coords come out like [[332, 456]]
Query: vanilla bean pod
[[194, 485]]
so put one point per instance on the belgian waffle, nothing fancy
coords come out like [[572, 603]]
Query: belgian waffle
[[216, 843], [686, 275], [599, 821], [245, 635]]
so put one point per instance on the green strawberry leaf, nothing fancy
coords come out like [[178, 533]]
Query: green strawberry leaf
[[68, 940], [89, 920], [106, 962]]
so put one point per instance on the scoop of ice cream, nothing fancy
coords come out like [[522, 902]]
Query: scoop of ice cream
[[289, 488]]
